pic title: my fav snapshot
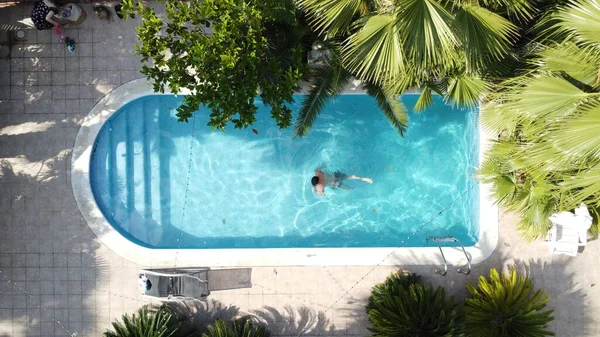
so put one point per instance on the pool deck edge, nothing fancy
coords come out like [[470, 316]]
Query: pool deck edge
[[82, 191]]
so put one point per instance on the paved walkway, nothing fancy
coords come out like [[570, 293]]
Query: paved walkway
[[58, 279]]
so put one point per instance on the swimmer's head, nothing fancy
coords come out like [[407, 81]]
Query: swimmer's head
[[314, 181]]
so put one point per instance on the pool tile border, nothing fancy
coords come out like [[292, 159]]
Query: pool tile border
[[82, 151]]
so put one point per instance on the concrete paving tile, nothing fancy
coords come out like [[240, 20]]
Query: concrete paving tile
[[47, 329], [33, 287], [58, 64], [16, 78], [44, 78], [58, 78], [5, 92], [85, 35], [44, 64], [58, 93], [33, 301], [61, 260], [17, 92], [6, 301], [19, 260], [86, 63], [72, 92], [58, 50], [61, 315], [5, 65], [16, 64], [86, 49], [19, 301], [72, 106]]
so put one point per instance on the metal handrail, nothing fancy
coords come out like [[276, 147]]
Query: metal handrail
[[448, 238], [438, 271], [468, 260]]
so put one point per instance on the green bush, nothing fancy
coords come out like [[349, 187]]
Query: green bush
[[237, 328], [506, 306], [402, 306], [160, 323]]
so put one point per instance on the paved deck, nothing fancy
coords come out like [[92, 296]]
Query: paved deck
[[58, 279]]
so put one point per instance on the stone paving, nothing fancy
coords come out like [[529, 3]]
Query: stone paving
[[58, 279]]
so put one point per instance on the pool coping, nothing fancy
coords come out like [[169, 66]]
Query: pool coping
[[242, 257]]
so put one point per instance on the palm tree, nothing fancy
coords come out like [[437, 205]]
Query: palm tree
[[451, 48], [506, 306], [547, 157], [145, 324], [402, 306], [328, 79]]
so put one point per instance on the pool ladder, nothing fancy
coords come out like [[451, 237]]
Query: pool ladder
[[438, 239]]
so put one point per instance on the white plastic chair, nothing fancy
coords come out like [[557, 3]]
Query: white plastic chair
[[569, 231]]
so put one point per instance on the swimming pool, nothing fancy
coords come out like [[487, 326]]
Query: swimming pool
[[154, 186], [166, 184]]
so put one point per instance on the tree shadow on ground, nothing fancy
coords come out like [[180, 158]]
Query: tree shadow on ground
[[300, 321], [195, 314], [572, 316]]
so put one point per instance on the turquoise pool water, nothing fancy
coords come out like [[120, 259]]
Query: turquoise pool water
[[165, 184]]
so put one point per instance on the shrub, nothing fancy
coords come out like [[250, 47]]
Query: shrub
[[402, 306], [146, 323], [506, 306], [237, 328]]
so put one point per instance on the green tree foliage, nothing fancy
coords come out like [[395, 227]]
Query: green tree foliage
[[547, 157], [225, 52], [453, 48], [145, 324], [237, 328], [506, 306], [402, 306]]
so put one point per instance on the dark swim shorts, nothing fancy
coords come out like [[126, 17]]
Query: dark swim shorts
[[338, 177]]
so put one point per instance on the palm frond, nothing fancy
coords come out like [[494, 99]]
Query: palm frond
[[495, 119], [428, 33], [327, 81], [520, 10], [580, 138], [580, 20], [390, 105], [333, 17], [581, 63], [545, 97], [584, 186], [466, 91], [486, 36], [374, 53], [425, 99]]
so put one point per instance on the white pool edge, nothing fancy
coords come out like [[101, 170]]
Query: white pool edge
[[82, 191]]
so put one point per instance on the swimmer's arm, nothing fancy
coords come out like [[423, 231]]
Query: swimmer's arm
[[315, 190]]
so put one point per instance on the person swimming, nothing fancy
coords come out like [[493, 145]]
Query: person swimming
[[322, 179]]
